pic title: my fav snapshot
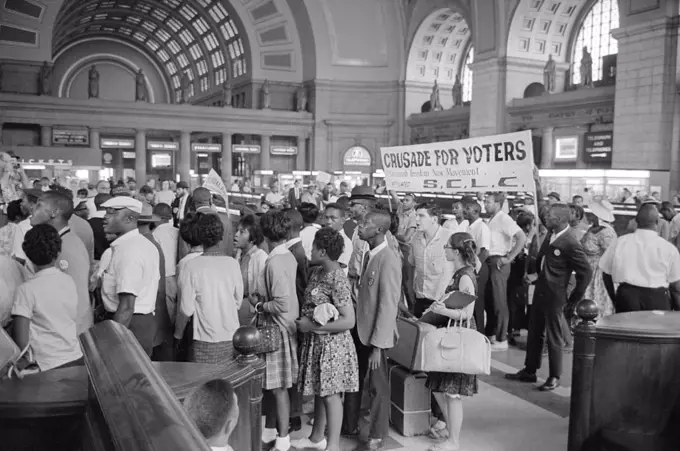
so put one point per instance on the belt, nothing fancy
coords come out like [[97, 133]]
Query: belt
[[624, 284]]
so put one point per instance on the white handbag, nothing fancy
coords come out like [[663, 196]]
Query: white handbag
[[456, 349]]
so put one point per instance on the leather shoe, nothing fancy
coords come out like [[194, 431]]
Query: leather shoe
[[551, 384], [522, 376], [350, 434], [373, 444]]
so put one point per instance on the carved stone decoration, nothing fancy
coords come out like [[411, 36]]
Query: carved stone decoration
[[226, 94], [457, 92], [93, 83], [45, 80], [141, 94], [301, 99], [586, 69], [549, 75], [264, 95], [435, 104], [184, 88]]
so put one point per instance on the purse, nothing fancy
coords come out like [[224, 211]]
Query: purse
[[270, 334], [456, 349], [11, 355]]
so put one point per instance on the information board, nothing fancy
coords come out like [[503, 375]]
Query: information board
[[598, 147], [71, 136]]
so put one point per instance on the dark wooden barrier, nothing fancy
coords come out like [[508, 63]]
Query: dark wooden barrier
[[122, 401], [625, 391]]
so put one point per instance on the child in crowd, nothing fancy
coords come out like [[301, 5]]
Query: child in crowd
[[46, 306], [213, 406]]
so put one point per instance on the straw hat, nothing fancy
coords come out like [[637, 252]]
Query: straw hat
[[602, 208]]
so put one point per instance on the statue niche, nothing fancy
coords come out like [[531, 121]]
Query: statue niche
[[141, 94], [549, 75], [93, 83], [435, 104], [457, 92], [586, 69]]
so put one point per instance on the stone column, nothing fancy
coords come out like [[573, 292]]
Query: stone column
[[118, 164], [94, 144], [488, 106], [645, 93], [301, 159], [140, 158], [548, 144], [46, 135], [264, 153], [226, 159], [184, 166]]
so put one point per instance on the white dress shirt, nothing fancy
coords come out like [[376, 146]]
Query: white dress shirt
[[480, 233], [307, 236], [643, 259], [167, 237], [134, 269], [455, 227]]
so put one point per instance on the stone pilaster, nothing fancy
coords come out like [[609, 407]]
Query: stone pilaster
[[140, 158], [301, 158], [265, 152], [184, 166], [488, 106], [226, 159]]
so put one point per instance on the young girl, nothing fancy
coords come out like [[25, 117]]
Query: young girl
[[449, 387], [328, 363], [279, 304], [252, 259], [46, 306]]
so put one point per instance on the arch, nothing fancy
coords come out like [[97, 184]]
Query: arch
[[539, 28], [439, 47], [196, 37], [534, 90], [466, 73], [594, 31]]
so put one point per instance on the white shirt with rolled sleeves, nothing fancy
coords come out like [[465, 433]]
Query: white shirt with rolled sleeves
[[480, 233], [502, 231], [642, 259], [133, 269]]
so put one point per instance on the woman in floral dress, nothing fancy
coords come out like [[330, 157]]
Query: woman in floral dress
[[449, 388], [597, 239], [328, 362]]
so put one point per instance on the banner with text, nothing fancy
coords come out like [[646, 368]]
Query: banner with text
[[213, 182], [490, 163]]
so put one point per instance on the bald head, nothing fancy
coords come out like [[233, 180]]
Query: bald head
[[381, 219], [647, 217], [202, 197]]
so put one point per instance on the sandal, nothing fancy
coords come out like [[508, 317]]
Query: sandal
[[438, 433]]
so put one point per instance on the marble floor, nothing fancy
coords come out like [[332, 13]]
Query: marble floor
[[504, 416]]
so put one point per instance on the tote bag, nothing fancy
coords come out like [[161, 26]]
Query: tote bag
[[456, 349]]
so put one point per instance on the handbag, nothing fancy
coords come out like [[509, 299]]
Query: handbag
[[270, 334], [456, 349], [11, 355]]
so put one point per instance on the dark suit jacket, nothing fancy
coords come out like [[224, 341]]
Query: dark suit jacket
[[293, 201], [378, 300], [100, 241], [163, 324], [302, 274], [189, 206], [561, 258]]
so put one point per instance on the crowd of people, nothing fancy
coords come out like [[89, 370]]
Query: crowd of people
[[324, 283]]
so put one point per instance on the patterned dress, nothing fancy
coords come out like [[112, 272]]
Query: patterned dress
[[328, 363], [594, 245], [456, 383]]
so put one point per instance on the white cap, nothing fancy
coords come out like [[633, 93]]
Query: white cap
[[118, 203]]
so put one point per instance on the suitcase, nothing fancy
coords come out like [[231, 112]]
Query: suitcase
[[407, 351], [409, 401]]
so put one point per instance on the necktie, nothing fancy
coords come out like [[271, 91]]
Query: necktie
[[364, 266]]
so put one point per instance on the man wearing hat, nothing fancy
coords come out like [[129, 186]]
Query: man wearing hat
[[553, 198], [130, 283], [182, 204]]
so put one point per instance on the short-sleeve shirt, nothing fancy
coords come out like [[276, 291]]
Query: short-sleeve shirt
[[74, 261], [432, 270], [167, 237], [643, 259], [134, 269], [407, 220], [50, 301], [480, 233], [502, 231]]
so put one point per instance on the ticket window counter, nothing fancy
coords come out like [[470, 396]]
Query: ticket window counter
[[161, 167], [262, 180], [585, 182], [307, 177], [354, 178]]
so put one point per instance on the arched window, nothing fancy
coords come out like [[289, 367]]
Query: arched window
[[467, 75], [595, 33]]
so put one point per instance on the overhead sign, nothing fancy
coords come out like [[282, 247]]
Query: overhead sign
[[161, 160], [48, 162], [117, 143], [162, 145], [566, 148], [283, 150], [491, 163], [71, 136], [245, 148], [357, 156], [598, 147], [206, 147]]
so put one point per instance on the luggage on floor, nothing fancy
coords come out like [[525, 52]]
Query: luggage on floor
[[410, 401], [407, 351]]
